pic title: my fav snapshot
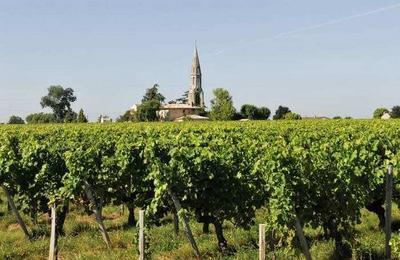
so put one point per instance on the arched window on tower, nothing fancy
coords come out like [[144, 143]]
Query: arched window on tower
[[197, 99]]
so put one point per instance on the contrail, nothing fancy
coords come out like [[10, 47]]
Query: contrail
[[317, 26], [337, 21]]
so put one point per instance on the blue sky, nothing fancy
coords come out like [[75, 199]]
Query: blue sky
[[317, 57]]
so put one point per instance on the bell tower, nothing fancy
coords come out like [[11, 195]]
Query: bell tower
[[196, 94]]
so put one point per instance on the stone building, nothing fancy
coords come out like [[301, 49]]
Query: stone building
[[195, 103], [171, 112], [196, 94]]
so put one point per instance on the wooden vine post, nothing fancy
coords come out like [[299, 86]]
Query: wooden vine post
[[53, 234], [14, 209], [176, 222], [186, 226], [97, 212], [122, 210], [141, 235], [261, 255], [302, 239], [388, 211]]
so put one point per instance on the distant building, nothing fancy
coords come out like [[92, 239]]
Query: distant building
[[191, 118], [386, 116], [195, 103], [134, 108], [315, 117], [105, 119], [196, 94], [171, 112]]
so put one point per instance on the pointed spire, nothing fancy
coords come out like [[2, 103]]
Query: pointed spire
[[196, 61], [195, 95]]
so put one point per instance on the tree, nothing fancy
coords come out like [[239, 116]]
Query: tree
[[379, 112], [337, 117], [395, 112], [153, 94], [248, 111], [151, 103], [222, 105], [14, 120], [237, 116], [41, 118], [147, 111], [280, 112], [254, 113], [291, 116], [203, 112], [263, 113], [182, 100], [59, 100], [126, 117], [81, 117], [70, 117]]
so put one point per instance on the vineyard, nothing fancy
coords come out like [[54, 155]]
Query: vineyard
[[323, 174]]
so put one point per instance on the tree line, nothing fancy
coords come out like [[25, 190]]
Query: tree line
[[381, 111], [59, 100], [222, 108]]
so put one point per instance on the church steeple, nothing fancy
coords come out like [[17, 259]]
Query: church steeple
[[196, 63], [196, 95]]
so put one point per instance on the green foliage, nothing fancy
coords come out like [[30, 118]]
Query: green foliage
[[70, 117], [203, 112], [81, 117], [254, 113], [291, 116], [281, 112], [237, 116], [16, 120], [59, 100], [153, 94], [182, 100], [263, 113], [379, 112], [395, 245], [395, 113], [147, 111], [221, 172], [222, 105], [82, 236], [151, 103], [248, 111], [128, 116], [41, 118]]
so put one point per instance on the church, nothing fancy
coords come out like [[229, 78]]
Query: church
[[195, 100]]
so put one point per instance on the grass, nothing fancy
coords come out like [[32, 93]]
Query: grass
[[83, 241]]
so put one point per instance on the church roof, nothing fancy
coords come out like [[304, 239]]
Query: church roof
[[192, 117], [178, 106]]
